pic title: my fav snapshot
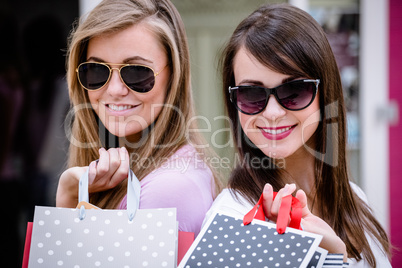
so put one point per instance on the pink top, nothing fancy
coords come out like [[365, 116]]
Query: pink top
[[183, 181]]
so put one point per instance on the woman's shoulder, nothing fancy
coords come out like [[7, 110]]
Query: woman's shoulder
[[185, 159], [185, 167], [181, 182], [187, 150], [381, 258], [230, 202]]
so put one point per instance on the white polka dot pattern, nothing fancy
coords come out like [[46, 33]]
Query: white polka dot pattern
[[104, 238], [226, 242]]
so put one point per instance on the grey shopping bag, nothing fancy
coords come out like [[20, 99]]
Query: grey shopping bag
[[225, 241], [81, 238]]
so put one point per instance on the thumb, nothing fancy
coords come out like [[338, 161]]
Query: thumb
[[302, 197], [268, 194], [91, 172]]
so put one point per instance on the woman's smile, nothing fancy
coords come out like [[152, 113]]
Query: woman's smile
[[277, 133]]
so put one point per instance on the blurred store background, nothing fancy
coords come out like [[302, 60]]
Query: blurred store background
[[365, 35]]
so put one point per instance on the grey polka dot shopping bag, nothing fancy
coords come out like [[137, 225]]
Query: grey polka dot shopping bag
[[81, 237], [230, 241]]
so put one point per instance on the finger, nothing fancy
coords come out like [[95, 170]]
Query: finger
[[278, 200], [268, 194], [290, 190], [114, 160], [124, 156], [302, 197], [122, 171], [285, 191], [91, 172], [103, 164]]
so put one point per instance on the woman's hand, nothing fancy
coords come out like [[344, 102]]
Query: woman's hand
[[309, 222], [107, 173], [271, 207], [313, 224], [111, 169], [67, 190]]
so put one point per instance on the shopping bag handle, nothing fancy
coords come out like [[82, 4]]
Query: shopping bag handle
[[290, 207], [133, 194]]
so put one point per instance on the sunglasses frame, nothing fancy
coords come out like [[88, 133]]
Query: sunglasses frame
[[122, 65], [273, 91]]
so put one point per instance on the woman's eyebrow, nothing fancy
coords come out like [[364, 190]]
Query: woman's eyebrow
[[128, 60], [259, 83], [136, 58], [95, 59], [250, 81], [290, 78]]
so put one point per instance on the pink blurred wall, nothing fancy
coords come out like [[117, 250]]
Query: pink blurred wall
[[395, 132]]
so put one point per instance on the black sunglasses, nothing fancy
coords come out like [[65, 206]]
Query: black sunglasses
[[95, 75], [294, 95]]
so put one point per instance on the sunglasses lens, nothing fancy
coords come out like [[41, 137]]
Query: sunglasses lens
[[293, 96], [251, 100], [93, 75], [138, 78], [296, 95]]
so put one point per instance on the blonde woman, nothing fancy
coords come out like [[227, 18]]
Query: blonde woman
[[129, 71]]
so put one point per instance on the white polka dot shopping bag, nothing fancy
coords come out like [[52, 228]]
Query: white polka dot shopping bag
[[232, 241], [81, 238]]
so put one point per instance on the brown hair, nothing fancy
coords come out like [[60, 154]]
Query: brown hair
[[289, 41], [169, 131]]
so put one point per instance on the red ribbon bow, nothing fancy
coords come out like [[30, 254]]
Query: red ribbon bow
[[290, 207]]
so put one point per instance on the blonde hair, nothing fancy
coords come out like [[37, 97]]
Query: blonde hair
[[169, 131]]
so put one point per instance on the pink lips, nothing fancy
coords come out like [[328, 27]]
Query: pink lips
[[277, 133]]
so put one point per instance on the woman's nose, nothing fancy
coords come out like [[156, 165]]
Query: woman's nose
[[273, 111], [116, 86]]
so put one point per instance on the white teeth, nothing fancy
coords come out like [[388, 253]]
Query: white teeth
[[119, 107], [275, 132]]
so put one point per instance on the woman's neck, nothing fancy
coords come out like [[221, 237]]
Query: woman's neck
[[300, 167], [131, 142]]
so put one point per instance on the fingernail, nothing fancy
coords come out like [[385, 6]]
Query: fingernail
[[92, 164], [267, 185], [122, 154], [286, 189]]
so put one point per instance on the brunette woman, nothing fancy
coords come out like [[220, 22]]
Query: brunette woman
[[283, 94]]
